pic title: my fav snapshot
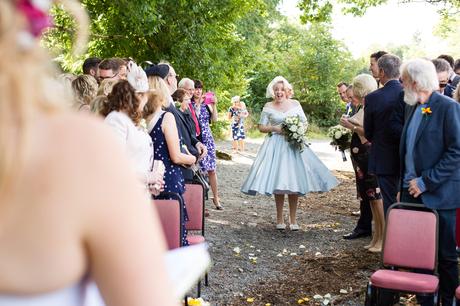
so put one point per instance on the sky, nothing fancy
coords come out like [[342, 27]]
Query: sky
[[391, 23]]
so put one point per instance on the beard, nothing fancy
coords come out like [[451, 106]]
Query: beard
[[410, 97]]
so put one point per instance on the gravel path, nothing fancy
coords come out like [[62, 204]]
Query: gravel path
[[251, 260]]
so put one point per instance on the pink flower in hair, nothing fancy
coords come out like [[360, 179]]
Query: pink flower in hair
[[36, 15]]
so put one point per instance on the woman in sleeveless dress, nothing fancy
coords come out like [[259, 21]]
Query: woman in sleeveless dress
[[168, 149], [279, 168], [71, 207]]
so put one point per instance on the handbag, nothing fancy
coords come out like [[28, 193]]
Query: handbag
[[200, 177]]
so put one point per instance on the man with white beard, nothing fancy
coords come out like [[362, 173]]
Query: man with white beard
[[430, 155]]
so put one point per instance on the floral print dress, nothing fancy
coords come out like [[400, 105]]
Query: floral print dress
[[208, 163]]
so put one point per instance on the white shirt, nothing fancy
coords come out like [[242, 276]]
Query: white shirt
[[138, 143]]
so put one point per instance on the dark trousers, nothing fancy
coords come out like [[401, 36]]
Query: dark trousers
[[447, 257], [389, 187], [365, 218]]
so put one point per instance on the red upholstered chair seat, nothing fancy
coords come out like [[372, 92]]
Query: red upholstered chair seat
[[195, 239], [405, 281]]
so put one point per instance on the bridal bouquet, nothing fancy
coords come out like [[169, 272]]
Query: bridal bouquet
[[295, 132], [341, 138]]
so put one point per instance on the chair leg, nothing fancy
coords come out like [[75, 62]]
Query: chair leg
[[186, 301], [206, 283], [371, 296], [198, 289]]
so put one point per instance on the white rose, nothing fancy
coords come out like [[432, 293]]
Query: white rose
[[301, 130], [295, 135], [293, 128], [337, 135]]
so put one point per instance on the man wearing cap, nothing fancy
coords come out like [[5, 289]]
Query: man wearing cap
[[184, 123]]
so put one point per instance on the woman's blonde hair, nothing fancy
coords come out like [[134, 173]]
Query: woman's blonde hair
[[26, 68], [98, 103], [157, 85], [106, 87], [84, 89], [363, 84]]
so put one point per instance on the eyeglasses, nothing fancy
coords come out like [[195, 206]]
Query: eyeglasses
[[442, 85], [107, 77]]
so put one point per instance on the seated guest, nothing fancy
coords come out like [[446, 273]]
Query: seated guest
[[72, 209]]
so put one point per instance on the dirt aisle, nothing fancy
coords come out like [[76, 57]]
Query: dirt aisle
[[254, 261]]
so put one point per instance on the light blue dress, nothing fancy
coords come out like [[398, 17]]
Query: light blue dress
[[280, 168]]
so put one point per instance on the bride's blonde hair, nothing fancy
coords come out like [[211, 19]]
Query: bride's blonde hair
[[27, 85]]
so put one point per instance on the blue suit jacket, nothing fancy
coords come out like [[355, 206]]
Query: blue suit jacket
[[437, 152], [383, 132]]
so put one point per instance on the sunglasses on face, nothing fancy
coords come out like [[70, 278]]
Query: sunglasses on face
[[107, 77]]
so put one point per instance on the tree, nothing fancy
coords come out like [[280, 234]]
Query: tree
[[321, 10]]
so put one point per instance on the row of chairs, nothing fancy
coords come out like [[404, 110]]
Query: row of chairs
[[168, 206]]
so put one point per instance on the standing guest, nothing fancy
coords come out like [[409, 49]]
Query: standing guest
[[374, 67], [205, 114], [237, 113], [280, 168], [189, 86], [91, 66], [109, 69], [457, 67], [123, 113], [342, 91], [163, 78], [83, 215], [383, 133], [123, 67], [84, 89], [430, 155], [443, 70], [366, 183], [454, 77], [105, 88], [168, 150]]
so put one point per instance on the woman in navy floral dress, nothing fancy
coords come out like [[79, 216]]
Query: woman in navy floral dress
[[205, 114], [166, 147]]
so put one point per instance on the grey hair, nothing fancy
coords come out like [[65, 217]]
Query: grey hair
[[235, 99], [441, 65], [363, 84], [422, 72], [184, 81], [390, 65]]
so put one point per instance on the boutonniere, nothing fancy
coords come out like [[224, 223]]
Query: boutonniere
[[426, 111]]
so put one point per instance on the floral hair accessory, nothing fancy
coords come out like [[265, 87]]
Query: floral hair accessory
[[137, 77], [426, 111], [36, 13]]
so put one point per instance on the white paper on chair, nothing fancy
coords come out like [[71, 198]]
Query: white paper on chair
[[186, 265], [358, 118]]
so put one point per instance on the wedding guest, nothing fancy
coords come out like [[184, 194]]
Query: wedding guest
[[443, 70], [109, 69], [280, 168], [123, 113], [205, 114], [123, 67], [84, 214], [168, 150], [237, 113], [454, 77], [366, 183], [457, 67], [105, 88], [342, 91], [90, 66], [430, 155], [163, 78], [383, 133], [84, 89], [189, 86], [374, 68]]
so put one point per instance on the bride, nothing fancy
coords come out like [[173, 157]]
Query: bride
[[279, 168]]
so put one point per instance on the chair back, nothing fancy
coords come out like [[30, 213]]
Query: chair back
[[169, 212], [194, 202], [411, 237]]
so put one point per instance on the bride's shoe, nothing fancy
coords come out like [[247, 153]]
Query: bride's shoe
[[294, 227], [281, 226]]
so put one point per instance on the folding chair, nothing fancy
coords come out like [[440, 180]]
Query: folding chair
[[410, 243], [170, 213], [194, 202]]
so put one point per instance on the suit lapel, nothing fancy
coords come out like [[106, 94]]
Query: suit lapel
[[427, 118]]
